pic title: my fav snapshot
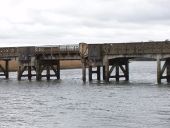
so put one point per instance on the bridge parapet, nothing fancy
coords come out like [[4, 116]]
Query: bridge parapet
[[8, 52], [69, 48], [53, 50], [136, 48], [25, 53], [46, 50]]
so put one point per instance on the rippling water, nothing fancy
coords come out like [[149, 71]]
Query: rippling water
[[68, 103]]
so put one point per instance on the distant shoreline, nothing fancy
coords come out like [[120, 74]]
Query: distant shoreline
[[64, 64]]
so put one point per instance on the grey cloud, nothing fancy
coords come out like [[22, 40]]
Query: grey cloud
[[136, 11], [112, 10], [96, 20]]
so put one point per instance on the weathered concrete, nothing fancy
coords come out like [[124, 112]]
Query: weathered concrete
[[111, 56], [37, 59], [120, 53]]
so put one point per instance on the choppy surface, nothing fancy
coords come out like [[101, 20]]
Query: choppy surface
[[69, 103]]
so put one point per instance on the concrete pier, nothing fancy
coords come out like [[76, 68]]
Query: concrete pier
[[116, 65], [51, 67], [113, 58], [26, 71], [97, 72]]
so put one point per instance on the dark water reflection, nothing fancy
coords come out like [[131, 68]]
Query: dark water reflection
[[69, 103]]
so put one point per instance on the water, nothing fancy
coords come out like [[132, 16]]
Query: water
[[139, 103]]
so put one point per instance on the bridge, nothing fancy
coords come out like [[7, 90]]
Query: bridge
[[32, 60], [112, 58]]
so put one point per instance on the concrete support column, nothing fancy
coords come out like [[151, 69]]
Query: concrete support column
[[106, 74], [48, 72], [19, 73], [29, 73], [158, 70], [168, 70], [127, 71], [98, 72], [58, 69], [103, 72], [38, 71], [117, 73], [83, 70], [90, 73], [7, 69]]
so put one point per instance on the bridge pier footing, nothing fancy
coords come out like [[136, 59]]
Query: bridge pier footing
[[48, 66], [91, 72], [116, 68], [164, 72], [26, 68]]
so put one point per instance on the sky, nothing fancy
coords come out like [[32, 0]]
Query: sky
[[53, 22]]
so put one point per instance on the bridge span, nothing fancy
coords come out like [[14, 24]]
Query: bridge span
[[112, 58], [33, 61]]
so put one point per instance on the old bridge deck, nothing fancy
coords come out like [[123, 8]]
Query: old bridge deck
[[113, 57]]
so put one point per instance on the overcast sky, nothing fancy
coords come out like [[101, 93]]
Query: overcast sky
[[37, 22]]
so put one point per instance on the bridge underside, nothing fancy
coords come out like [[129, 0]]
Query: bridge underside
[[117, 67]]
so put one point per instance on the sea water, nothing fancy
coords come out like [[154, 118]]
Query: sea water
[[70, 103]]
